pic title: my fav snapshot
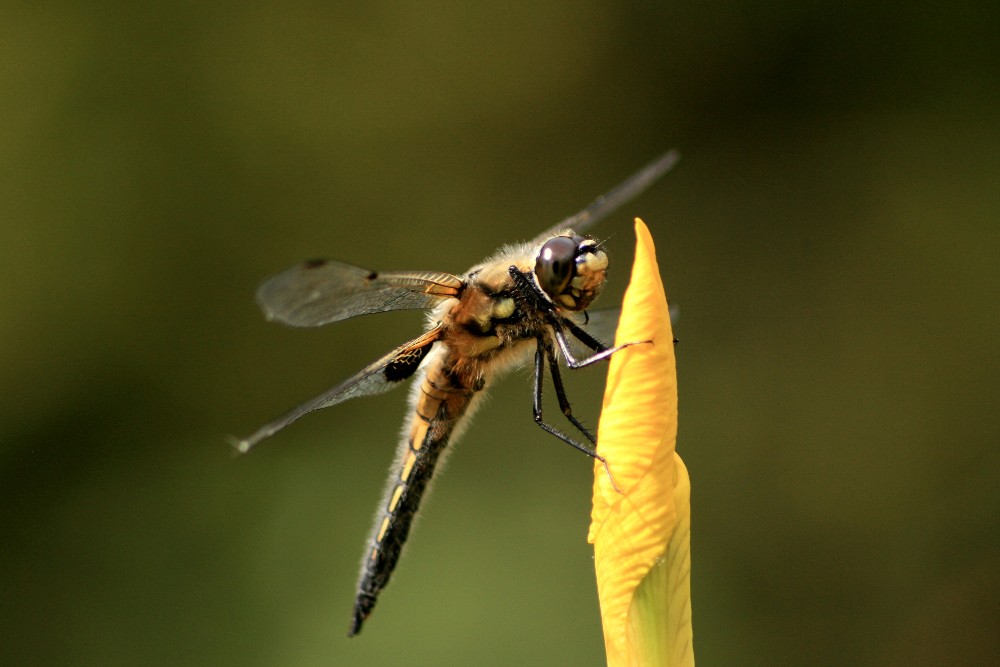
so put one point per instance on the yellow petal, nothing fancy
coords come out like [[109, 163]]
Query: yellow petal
[[641, 529]]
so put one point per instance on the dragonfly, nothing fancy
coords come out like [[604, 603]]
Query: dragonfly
[[526, 301]]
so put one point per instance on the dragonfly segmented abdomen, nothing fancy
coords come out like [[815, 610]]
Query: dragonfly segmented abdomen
[[438, 407]]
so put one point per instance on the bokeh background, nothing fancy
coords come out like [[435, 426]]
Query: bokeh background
[[831, 236]]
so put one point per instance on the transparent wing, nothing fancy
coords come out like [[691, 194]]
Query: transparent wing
[[608, 202], [376, 378], [321, 291]]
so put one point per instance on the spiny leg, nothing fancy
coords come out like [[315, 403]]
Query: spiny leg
[[584, 337], [537, 404], [550, 355], [571, 360], [537, 410]]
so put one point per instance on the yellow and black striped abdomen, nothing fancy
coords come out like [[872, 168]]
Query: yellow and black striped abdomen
[[439, 405]]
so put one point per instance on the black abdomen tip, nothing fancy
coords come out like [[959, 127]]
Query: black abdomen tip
[[362, 608]]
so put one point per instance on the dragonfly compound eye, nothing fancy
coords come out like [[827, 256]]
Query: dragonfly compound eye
[[555, 265]]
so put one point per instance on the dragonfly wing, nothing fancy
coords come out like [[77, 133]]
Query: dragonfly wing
[[608, 202], [321, 291], [376, 378]]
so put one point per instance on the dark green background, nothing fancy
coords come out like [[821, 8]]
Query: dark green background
[[831, 236]]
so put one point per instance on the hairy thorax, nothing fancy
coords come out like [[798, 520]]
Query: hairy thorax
[[485, 329]]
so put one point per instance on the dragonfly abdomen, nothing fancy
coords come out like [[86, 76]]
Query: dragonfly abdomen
[[440, 403]]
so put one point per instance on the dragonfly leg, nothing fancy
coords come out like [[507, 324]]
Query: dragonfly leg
[[539, 419], [600, 355], [537, 405], [584, 337], [550, 355]]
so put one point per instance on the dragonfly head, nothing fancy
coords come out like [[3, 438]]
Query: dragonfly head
[[571, 270]]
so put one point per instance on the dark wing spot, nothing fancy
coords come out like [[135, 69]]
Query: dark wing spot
[[372, 276], [405, 363], [313, 263]]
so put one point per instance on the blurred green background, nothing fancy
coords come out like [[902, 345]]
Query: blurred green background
[[831, 236]]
